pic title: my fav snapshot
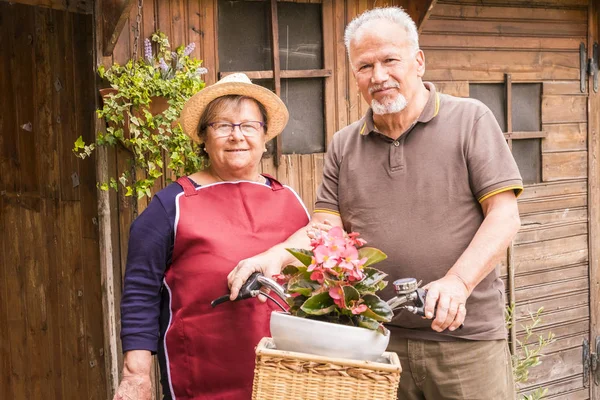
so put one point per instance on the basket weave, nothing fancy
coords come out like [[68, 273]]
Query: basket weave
[[287, 375]]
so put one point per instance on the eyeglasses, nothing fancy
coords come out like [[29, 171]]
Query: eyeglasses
[[225, 129]]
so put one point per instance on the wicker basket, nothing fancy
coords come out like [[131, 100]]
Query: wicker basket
[[284, 375]]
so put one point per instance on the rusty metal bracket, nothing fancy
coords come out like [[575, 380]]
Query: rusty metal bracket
[[588, 66], [591, 363]]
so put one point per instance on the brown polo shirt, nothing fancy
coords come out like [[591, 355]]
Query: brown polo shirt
[[418, 198]]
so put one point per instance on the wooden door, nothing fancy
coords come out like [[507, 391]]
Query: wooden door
[[50, 296]]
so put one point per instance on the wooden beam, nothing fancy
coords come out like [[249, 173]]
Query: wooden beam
[[419, 11], [80, 7], [285, 74], [114, 15], [594, 190], [105, 238], [276, 68], [525, 135]]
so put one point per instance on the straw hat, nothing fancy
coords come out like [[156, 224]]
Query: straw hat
[[235, 84]]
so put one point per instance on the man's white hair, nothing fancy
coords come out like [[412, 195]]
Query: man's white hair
[[393, 14]]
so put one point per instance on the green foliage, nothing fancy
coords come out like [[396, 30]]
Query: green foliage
[[171, 75], [528, 353]]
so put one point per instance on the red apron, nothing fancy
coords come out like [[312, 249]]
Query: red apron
[[210, 351]]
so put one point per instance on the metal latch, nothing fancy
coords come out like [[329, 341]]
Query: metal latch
[[590, 363], [588, 67]]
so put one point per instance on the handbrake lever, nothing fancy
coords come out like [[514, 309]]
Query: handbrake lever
[[250, 288]]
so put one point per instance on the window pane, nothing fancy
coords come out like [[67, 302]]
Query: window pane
[[526, 107], [492, 95], [244, 43], [527, 153], [305, 132], [300, 36]]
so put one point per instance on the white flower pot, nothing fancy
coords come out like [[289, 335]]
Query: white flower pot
[[305, 335]]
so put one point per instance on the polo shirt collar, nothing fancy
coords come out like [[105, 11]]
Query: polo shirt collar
[[431, 109]]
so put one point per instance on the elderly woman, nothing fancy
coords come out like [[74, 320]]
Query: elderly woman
[[186, 242]]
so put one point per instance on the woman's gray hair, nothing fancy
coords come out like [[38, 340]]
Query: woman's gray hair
[[393, 14]]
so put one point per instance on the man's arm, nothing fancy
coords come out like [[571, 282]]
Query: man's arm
[[501, 223], [136, 383], [271, 262]]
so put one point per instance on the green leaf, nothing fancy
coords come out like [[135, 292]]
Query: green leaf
[[302, 255], [368, 323], [350, 294], [289, 270], [319, 304], [300, 283], [372, 254], [79, 144], [378, 309], [371, 281]]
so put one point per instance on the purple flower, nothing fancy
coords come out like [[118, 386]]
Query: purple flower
[[189, 48], [148, 50], [201, 71], [163, 65]]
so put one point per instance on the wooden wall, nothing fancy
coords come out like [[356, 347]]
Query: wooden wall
[[465, 41], [51, 331], [472, 41]]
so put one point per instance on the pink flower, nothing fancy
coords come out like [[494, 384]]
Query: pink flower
[[313, 264], [348, 255], [317, 276], [337, 294], [353, 236], [359, 309], [325, 256]]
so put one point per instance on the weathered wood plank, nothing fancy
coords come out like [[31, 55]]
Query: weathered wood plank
[[563, 109], [9, 155], [329, 63], [547, 219], [347, 96], [553, 203], [459, 89], [80, 6], [552, 289], [550, 232], [441, 41], [6, 390], [115, 14], [22, 65], [507, 27], [561, 87], [552, 189], [539, 256], [504, 12], [17, 340], [47, 151], [444, 65], [565, 137], [70, 290], [552, 303], [208, 10], [566, 165], [559, 4], [556, 366]]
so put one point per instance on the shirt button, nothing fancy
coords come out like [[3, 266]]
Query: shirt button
[[396, 143]]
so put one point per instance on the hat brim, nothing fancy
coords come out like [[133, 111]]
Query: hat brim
[[277, 113]]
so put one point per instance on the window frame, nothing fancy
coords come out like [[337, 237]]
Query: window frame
[[277, 74]]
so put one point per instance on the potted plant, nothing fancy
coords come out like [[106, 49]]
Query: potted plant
[[334, 309], [142, 106]]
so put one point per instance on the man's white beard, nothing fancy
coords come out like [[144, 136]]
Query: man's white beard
[[389, 106]]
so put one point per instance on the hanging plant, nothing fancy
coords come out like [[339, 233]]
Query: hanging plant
[[141, 109]]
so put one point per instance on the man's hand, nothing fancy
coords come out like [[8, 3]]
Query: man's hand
[[450, 293]]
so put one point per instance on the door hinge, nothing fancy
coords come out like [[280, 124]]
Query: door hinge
[[590, 363], [588, 66]]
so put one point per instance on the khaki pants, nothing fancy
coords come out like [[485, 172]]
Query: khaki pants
[[464, 370]]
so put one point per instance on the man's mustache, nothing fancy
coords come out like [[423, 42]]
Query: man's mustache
[[383, 86]]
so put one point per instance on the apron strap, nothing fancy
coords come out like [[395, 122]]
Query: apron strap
[[275, 185], [188, 186]]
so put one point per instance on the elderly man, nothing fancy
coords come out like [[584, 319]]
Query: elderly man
[[429, 179]]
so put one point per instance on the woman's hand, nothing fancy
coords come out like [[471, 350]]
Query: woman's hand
[[268, 263], [136, 383]]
